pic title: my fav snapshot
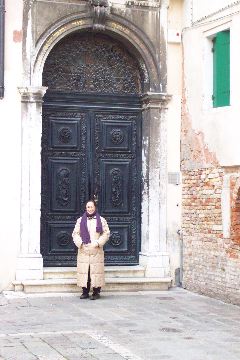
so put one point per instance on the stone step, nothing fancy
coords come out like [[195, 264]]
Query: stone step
[[112, 284], [110, 271]]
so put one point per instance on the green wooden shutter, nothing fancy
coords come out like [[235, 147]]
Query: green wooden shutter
[[221, 69]]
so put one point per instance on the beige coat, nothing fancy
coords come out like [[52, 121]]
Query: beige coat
[[91, 254]]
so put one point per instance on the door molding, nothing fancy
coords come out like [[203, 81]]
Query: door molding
[[154, 255]]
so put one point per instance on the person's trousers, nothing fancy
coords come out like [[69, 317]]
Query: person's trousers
[[96, 290]]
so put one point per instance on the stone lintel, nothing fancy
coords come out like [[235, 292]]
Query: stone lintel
[[32, 94], [231, 169]]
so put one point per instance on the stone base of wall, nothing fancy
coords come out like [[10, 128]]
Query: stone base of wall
[[211, 261]]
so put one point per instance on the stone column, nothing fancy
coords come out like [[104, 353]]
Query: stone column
[[29, 261], [163, 31], [154, 254]]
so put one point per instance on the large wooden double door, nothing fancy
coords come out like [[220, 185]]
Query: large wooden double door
[[90, 150]]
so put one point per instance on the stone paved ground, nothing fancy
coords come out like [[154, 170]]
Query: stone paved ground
[[173, 325]]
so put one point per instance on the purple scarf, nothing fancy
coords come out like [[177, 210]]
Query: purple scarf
[[84, 229]]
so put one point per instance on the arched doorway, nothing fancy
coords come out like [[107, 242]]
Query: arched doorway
[[91, 145]]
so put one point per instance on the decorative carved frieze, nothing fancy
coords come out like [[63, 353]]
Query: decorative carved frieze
[[143, 3]]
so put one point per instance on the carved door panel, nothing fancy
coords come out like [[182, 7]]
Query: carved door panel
[[85, 154], [117, 177], [64, 183]]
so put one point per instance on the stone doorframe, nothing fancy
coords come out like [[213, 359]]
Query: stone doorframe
[[154, 255]]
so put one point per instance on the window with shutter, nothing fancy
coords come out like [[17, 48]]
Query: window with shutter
[[221, 69]]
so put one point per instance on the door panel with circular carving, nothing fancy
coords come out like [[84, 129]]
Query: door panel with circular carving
[[117, 179], [65, 184]]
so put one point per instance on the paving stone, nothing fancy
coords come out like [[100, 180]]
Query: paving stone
[[169, 325], [112, 356], [3, 300], [16, 352]]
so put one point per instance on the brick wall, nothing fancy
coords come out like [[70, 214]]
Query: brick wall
[[235, 209], [211, 263]]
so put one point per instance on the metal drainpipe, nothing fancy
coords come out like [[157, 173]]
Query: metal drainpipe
[[181, 258], [2, 26], [180, 270]]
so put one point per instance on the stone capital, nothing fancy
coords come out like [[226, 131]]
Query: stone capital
[[30, 94], [164, 3], [152, 100]]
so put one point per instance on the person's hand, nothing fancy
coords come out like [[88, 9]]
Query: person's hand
[[95, 244]]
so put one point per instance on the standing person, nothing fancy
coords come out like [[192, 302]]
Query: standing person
[[91, 232]]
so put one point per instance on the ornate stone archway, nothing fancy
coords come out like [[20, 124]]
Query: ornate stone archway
[[125, 31], [154, 178]]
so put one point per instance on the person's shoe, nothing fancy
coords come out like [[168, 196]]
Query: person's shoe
[[84, 296], [95, 296]]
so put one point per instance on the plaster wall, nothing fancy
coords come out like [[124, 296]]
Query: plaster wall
[[219, 127], [10, 144], [174, 86]]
